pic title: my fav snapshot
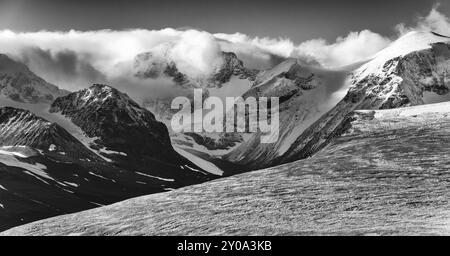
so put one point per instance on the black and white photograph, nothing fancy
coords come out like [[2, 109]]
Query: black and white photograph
[[224, 119]]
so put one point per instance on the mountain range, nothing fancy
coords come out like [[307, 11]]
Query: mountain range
[[88, 148], [63, 152], [411, 71], [396, 158]]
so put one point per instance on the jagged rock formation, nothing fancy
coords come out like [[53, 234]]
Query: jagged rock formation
[[18, 83]]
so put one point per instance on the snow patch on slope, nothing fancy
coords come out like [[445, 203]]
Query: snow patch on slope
[[10, 158], [155, 177], [101, 177], [205, 165]]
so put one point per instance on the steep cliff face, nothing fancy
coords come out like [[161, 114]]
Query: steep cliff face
[[414, 70], [20, 84]]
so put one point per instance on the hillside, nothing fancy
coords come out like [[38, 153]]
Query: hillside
[[396, 158], [89, 148]]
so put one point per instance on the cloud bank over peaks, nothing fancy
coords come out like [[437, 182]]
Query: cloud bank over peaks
[[75, 59], [355, 47], [435, 21]]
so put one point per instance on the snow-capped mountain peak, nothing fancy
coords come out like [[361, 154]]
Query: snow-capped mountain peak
[[99, 97], [113, 122], [410, 42], [414, 70]]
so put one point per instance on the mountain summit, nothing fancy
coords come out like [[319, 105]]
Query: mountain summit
[[117, 123]]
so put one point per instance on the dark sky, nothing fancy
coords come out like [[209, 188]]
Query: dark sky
[[299, 20]]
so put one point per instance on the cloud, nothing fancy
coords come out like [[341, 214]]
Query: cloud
[[355, 47], [259, 53], [193, 51], [435, 21], [196, 52], [104, 54], [75, 59], [279, 46], [64, 67]]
